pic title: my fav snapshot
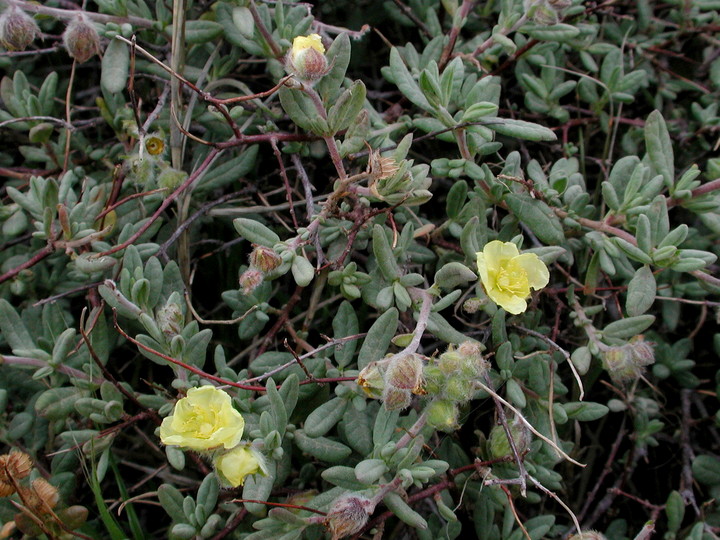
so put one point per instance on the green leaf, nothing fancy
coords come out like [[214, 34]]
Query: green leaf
[[324, 418], [555, 32], [628, 327], [632, 251], [322, 448], [659, 147], [200, 31], [658, 219], [538, 216], [289, 393], [347, 107], [519, 129], [456, 199], [345, 323], [384, 428], [406, 83], [338, 56], [384, 255], [643, 234], [255, 232], [369, 471], [115, 67], [641, 291], [343, 477], [58, 403], [258, 487], [454, 274], [379, 336], [358, 430], [400, 508], [207, 494], [13, 329], [302, 271], [585, 411], [301, 110], [277, 407], [440, 328], [675, 510], [477, 111], [706, 469]]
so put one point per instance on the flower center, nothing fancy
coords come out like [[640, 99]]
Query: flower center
[[513, 279], [202, 422]]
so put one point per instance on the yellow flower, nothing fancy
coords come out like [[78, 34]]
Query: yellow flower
[[508, 276], [307, 58], [238, 463], [204, 419]]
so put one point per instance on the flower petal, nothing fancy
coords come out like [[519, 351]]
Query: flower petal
[[509, 302], [537, 273], [496, 252]]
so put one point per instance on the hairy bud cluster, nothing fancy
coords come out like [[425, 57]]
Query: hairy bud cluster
[[348, 515], [263, 260], [625, 363], [17, 29], [394, 380]]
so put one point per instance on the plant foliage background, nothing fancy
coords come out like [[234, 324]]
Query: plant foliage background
[[188, 202]]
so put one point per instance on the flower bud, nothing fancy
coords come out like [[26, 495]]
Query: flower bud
[[81, 39], [396, 398], [348, 515], [170, 319], [450, 362], [238, 463], [642, 351], [371, 380], [443, 414], [459, 389], [250, 280], [434, 379], [307, 58], [17, 29], [621, 364], [499, 445], [264, 258], [405, 372]]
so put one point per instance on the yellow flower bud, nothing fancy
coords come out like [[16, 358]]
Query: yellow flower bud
[[508, 276], [234, 466], [307, 58], [203, 420]]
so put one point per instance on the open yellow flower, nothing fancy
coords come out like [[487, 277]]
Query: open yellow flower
[[234, 466], [204, 419], [307, 58], [508, 276]]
